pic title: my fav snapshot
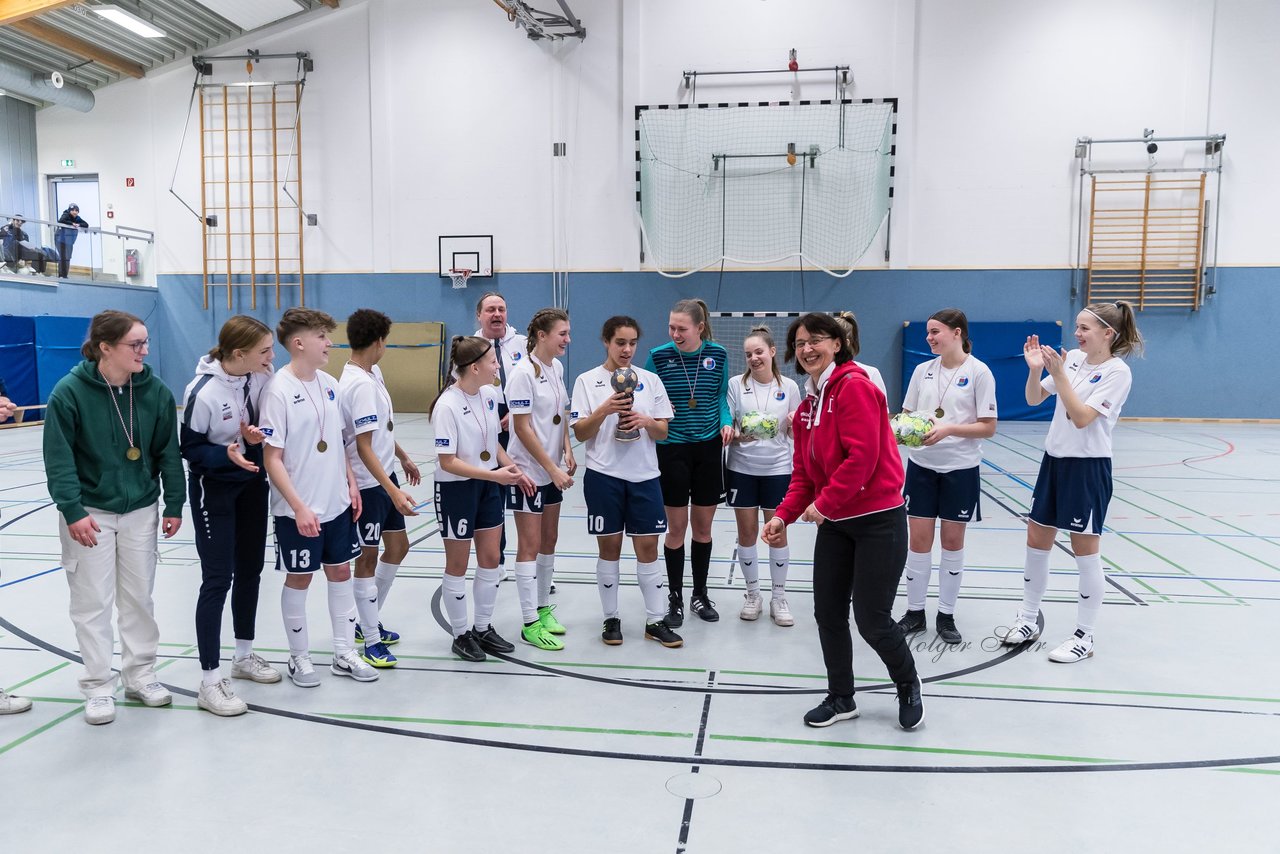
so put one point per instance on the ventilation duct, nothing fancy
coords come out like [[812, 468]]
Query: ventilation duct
[[50, 88]]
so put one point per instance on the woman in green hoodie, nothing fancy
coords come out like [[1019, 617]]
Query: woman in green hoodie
[[110, 436]]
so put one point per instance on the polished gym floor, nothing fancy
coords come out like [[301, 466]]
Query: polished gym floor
[[1169, 738]]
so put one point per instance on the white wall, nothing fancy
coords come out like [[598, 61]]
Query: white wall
[[430, 118]]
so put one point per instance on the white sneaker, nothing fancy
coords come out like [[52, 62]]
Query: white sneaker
[[11, 705], [221, 700], [303, 672], [100, 710], [351, 664], [1078, 647], [1022, 631], [255, 667], [752, 604], [152, 694], [780, 611]]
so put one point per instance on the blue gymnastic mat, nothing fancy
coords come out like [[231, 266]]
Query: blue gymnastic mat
[[18, 359], [58, 341]]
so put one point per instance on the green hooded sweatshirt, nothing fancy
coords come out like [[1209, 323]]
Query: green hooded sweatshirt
[[85, 445]]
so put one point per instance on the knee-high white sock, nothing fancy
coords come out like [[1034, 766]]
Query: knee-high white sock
[[366, 593], [484, 589], [342, 615], [1035, 579], [293, 607], [546, 572], [750, 563], [527, 588], [454, 594], [650, 577], [918, 571], [607, 575], [1092, 586], [384, 574], [950, 572], [779, 566]]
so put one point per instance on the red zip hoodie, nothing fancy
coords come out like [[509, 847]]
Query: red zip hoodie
[[846, 462]]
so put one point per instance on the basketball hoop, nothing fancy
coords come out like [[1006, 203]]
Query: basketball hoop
[[460, 277]]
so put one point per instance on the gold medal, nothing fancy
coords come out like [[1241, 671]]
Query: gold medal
[[391, 425], [939, 412], [485, 456], [555, 419], [497, 381], [322, 446], [134, 453], [693, 403]]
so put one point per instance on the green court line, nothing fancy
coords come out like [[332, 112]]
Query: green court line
[[506, 725], [1248, 770], [1111, 692], [42, 728], [902, 748], [1202, 515], [53, 669]]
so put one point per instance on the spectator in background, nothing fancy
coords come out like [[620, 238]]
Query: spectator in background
[[11, 239], [64, 239]]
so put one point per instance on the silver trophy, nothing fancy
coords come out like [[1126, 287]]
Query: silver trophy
[[624, 381]]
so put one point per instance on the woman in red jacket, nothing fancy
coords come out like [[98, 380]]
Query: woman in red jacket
[[847, 477]]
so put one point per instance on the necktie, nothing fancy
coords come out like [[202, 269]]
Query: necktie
[[502, 363]]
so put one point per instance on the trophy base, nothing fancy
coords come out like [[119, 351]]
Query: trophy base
[[626, 435]]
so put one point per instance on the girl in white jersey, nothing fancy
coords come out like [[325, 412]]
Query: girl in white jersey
[[621, 486], [539, 407], [471, 470], [762, 403], [942, 480], [1073, 488]]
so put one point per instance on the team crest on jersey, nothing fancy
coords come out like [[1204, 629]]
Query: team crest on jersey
[[330, 393], [962, 382], [524, 402], [708, 363], [1093, 379], [368, 419], [516, 355], [1106, 404], [780, 395], [226, 412], [442, 443], [639, 386], [490, 402]]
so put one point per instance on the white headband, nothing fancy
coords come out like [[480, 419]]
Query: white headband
[[1100, 320]]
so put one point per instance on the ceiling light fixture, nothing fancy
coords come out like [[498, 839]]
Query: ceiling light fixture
[[131, 22]]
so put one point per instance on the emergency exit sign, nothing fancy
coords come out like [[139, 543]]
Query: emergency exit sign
[[68, 164]]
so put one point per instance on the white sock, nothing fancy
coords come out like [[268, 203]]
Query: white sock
[[1035, 579], [779, 565], [384, 574], [211, 677], [342, 615], [546, 572], [950, 573], [244, 648], [527, 588], [651, 577], [607, 575], [918, 571], [484, 589], [366, 593], [1092, 586], [455, 602], [749, 561], [293, 607]]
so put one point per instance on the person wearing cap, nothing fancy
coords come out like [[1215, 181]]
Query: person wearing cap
[[65, 237], [11, 239]]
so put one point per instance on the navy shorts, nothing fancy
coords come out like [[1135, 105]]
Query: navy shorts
[[952, 496], [1072, 494], [692, 472], [378, 515], [545, 496], [615, 506], [337, 544], [466, 506], [748, 491]]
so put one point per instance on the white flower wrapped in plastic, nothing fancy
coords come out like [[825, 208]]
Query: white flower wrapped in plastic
[[910, 428]]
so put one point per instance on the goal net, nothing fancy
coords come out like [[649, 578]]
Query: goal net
[[760, 184]]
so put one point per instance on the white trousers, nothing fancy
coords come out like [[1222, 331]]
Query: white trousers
[[119, 571]]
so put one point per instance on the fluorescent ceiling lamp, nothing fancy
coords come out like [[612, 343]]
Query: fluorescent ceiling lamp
[[251, 14], [131, 22]]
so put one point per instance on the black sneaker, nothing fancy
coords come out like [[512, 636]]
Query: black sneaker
[[834, 708], [675, 611], [466, 648], [612, 634], [914, 621], [947, 631], [703, 607], [910, 709], [660, 632], [491, 641]]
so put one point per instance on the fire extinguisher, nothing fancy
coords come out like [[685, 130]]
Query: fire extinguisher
[[131, 262]]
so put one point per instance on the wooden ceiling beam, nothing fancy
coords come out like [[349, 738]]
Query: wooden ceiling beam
[[84, 50], [17, 10]]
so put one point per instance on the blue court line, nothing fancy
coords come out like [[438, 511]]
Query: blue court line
[[29, 577], [1009, 474]]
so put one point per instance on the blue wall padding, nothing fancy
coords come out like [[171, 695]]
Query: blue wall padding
[[58, 341], [18, 359]]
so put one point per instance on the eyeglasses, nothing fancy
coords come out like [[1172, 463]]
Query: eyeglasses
[[812, 342], [138, 346]]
